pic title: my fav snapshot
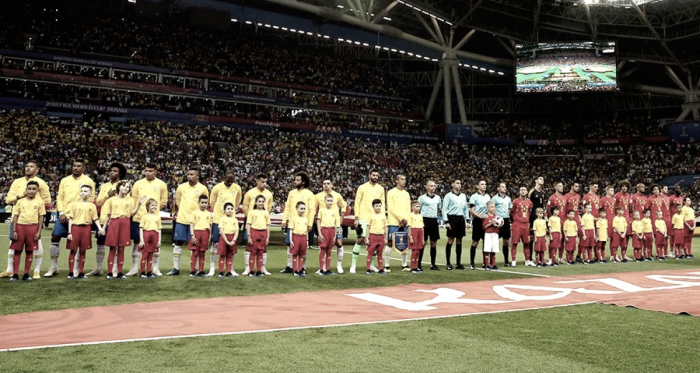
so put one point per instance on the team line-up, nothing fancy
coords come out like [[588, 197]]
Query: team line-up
[[129, 216]]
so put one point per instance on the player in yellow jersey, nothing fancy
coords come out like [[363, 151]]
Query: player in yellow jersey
[[539, 228], [25, 230], [416, 236], [117, 172], [81, 215], [601, 234], [228, 234], [300, 193], [555, 240], [149, 187], [587, 234], [151, 236], [186, 204], [364, 210], [340, 205], [398, 207], [18, 191], [689, 217], [327, 224], [248, 206], [660, 236], [200, 232], [68, 195], [221, 194]]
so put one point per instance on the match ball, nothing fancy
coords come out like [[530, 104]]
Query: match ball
[[498, 221]]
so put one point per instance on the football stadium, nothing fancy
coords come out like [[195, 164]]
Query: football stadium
[[350, 185]]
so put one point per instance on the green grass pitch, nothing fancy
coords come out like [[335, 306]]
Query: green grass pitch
[[587, 338]]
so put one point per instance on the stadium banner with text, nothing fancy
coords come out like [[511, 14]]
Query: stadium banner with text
[[44, 76], [684, 132], [387, 136], [157, 70]]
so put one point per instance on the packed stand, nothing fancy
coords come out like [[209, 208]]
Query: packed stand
[[175, 146], [180, 47]]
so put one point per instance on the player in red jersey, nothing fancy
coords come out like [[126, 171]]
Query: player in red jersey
[[592, 198], [520, 226], [654, 202], [676, 199], [573, 200], [667, 213], [608, 203], [559, 201], [640, 201], [623, 199]]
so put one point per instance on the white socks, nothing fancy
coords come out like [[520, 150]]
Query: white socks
[[177, 251], [38, 257], [99, 257]]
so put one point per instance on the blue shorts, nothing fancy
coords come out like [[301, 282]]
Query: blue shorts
[[392, 229], [181, 232], [60, 229], [215, 233], [100, 238], [135, 232], [288, 237], [339, 233]]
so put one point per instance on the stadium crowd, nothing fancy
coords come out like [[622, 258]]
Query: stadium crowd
[[177, 46], [576, 128], [192, 105], [214, 149]]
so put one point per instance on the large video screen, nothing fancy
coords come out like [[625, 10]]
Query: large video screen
[[566, 67]]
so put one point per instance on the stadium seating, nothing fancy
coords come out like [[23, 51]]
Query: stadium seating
[[215, 149]]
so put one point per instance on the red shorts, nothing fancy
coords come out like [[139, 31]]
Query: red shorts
[[225, 249], [659, 239], [601, 245], [688, 231], [637, 243], [678, 237], [555, 243], [418, 239], [328, 234], [150, 241], [202, 240], [669, 227], [376, 243], [571, 244], [25, 237], [259, 238], [519, 232], [119, 233], [301, 243], [648, 239], [541, 244], [616, 240], [590, 239], [82, 239]]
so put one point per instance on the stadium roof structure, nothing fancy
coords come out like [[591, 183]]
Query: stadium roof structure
[[656, 39]]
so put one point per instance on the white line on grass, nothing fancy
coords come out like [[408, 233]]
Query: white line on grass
[[442, 264], [287, 329]]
